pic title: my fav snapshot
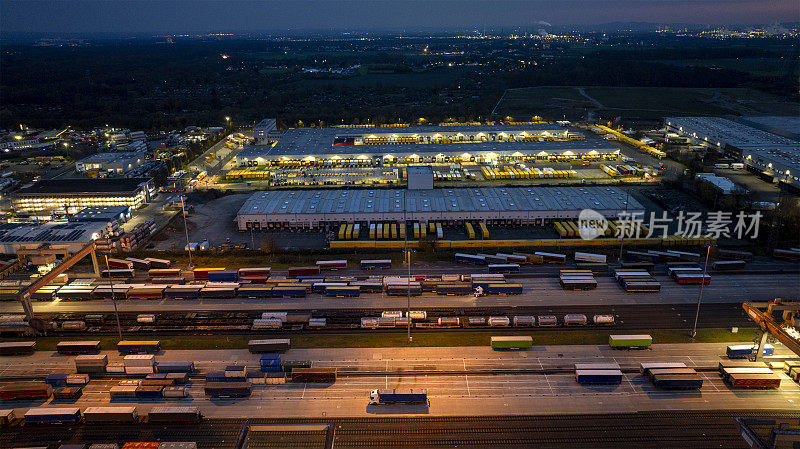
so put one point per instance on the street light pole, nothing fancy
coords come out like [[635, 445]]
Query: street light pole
[[113, 297], [186, 229], [700, 298]]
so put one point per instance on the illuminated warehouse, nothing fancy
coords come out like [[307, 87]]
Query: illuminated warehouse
[[72, 195], [379, 146], [518, 205]]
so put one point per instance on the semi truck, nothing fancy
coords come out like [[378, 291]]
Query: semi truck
[[398, 396]]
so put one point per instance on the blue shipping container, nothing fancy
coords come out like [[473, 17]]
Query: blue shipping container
[[135, 347], [56, 380], [223, 276]]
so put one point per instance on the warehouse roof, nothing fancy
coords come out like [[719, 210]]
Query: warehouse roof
[[50, 232], [318, 149], [67, 186], [438, 200], [724, 131]]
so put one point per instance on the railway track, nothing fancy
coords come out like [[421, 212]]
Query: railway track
[[345, 321], [663, 429]]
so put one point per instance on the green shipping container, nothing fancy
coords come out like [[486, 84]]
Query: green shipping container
[[521, 342], [630, 341]]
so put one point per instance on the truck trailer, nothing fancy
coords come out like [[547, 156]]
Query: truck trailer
[[398, 396]]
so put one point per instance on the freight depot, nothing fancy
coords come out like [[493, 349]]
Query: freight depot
[[380, 146], [523, 205]]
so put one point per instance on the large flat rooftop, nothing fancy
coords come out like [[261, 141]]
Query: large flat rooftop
[[438, 200], [720, 131], [83, 186]]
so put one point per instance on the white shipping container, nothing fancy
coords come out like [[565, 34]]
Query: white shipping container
[[139, 360], [115, 368], [138, 370]]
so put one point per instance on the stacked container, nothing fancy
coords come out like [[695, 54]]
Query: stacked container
[[115, 368], [91, 364], [139, 364], [77, 380]]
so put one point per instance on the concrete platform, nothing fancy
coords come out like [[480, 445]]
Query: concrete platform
[[450, 394]]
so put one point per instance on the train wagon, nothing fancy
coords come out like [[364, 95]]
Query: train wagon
[[53, 415], [170, 414], [202, 273], [343, 291], [169, 281], [122, 264], [575, 319], [303, 271], [183, 291], [403, 288], [470, 258], [547, 320], [504, 289], [692, 278], [332, 264], [269, 345], [552, 257], [164, 272], [503, 268], [78, 347], [603, 320], [598, 376], [17, 347], [373, 264], [254, 291], [139, 264], [117, 273], [255, 271], [139, 347], [512, 342], [228, 389], [288, 291], [174, 367], [110, 414], [498, 321], [368, 287], [314, 375], [728, 265], [158, 263], [524, 321], [150, 292], [630, 341], [454, 289], [25, 390], [223, 276]]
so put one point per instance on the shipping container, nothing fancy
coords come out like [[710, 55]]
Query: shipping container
[[503, 268], [164, 272], [598, 376], [139, 264], [223, 276], [25, 390], [120, 264], [454, 289], [748, 380], [115, 273], [646, 367], [202, 273], [343, 291], [504, 289], [728, 265], [373, 264], [136, 347], [743, 351], [512, 342], [403, 288], [303, 271], [577, 283], [67, 392], [182, 414], [331, 265], [314, 375], [399, 396], [53, 415], [158, 263], [148, 392], [588, 257], [551, 257], [267, 324], [639, 256], [271, 345], [288, 291], [678, 381], [123, 391], [110, 414], [692, 278], [17, 347], [182, 291], [630, 341], [728, 254]]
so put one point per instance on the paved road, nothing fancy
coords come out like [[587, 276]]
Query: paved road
[[537, 292], [454, 394]]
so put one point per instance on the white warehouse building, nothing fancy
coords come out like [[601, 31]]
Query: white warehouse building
[[518, 205]]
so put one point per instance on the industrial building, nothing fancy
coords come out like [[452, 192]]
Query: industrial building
[[379, 146], [116, 163], [520, 205], [69, 237], [266, 131], [767, 145], [72, 195], [105, 214]]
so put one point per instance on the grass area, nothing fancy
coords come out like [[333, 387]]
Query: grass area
[[421, 339]]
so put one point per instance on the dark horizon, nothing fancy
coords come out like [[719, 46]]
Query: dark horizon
[[127, 17]]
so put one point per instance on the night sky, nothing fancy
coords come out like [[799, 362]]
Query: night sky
[[177, 16]]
